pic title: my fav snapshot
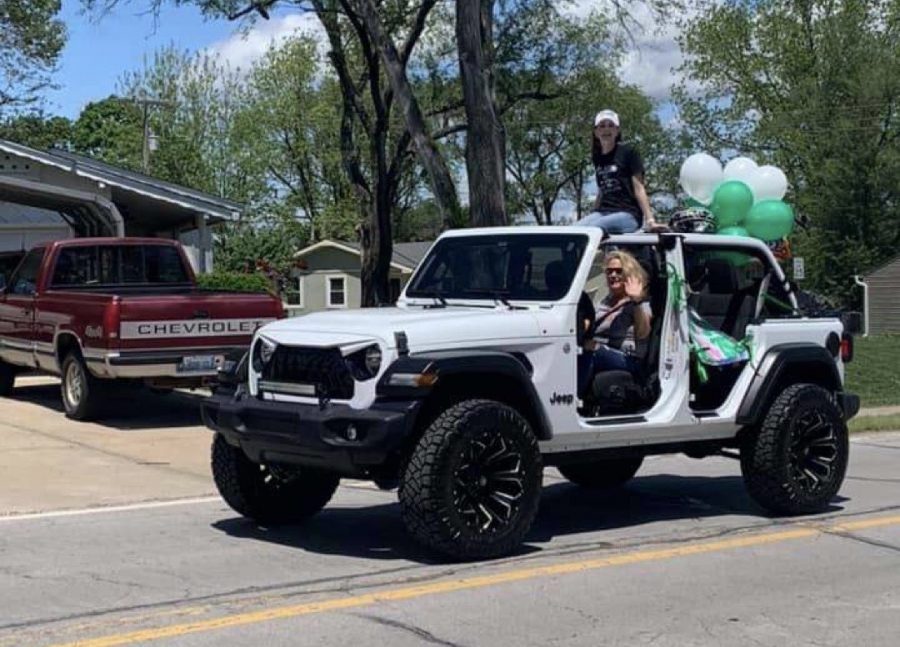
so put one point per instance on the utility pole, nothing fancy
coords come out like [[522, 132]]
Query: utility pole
[[146, 103]]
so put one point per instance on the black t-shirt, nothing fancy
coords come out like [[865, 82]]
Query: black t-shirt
[[613, 172]]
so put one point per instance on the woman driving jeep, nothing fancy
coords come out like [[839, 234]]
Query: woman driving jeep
[[616, 334]]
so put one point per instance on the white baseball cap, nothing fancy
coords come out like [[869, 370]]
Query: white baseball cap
[[606, 115]]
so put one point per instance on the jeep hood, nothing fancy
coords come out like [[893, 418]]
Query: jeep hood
[[424, 328]]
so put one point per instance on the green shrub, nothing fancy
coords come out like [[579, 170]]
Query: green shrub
[[235, 281]]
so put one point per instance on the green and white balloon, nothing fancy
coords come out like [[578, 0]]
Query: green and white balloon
[[700, 174], [770, 220]]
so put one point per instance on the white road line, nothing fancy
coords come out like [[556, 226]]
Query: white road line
[[149, 505]]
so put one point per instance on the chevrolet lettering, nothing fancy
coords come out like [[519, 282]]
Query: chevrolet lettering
[[190, 328]]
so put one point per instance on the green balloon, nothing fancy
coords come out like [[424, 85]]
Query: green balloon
[[770, 220], [733, 231], [731, 203]]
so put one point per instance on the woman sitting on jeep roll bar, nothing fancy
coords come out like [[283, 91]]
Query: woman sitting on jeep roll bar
[[617, 334]]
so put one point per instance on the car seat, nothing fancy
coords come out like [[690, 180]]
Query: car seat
[[721, 300]]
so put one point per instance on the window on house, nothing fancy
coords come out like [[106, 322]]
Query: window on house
[[336, 291], [294, 294]]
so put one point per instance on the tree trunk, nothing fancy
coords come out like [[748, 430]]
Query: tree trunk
[[485, 137], [441, 181]]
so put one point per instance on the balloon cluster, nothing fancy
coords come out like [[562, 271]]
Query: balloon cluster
[[745, 199]]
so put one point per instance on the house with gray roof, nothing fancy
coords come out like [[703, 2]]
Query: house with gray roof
[[327, 275], [58, 193]]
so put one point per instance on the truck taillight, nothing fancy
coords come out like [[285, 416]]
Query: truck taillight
[[846, 347], [111, 318]]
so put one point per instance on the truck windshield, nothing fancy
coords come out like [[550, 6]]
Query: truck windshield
[[90, 266], [526, 267]]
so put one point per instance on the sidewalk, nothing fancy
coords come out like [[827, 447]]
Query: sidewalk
[[880, 411], [152, 448]]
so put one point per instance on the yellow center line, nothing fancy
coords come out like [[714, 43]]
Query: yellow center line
[[468, 583]]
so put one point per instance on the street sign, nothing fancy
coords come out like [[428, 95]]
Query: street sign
[[799, 269]]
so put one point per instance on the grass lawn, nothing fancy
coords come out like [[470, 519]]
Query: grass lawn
[[874, 423], [874, 373]]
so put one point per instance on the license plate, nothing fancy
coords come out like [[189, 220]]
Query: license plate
[[199, 363]]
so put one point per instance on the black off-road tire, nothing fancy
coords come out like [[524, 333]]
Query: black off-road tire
[[7, 378], [795, 462], [83, 395], [268, 494], [472, 485], [602, 474]]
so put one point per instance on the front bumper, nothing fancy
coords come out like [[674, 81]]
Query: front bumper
[[309, 435]]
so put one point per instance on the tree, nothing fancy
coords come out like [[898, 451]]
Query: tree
[[110, 130], [200, 138], [289, 123], [31, 39], [809, 85], [37, 130], [485, 137]]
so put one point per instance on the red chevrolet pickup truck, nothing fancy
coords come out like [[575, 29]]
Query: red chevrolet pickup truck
[[99, 310]]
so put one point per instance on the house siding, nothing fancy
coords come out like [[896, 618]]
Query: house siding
[[884, 298]]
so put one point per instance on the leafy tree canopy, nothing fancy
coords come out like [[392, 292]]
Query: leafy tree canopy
[[31, 39], [811, 86]]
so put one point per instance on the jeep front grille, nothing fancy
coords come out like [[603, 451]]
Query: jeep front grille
[[322, 368]]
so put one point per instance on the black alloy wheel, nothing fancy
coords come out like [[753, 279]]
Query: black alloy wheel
[[489, 483], [813, 451], [472, 485], [795, 461]]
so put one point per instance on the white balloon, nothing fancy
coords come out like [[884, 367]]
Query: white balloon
[[700, 174], [768, 183], [740, 168]]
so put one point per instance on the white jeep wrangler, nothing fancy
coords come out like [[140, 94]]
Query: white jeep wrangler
[[463, 392]]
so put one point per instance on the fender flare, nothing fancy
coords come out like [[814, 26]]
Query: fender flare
[[775, 365], [443, 364]]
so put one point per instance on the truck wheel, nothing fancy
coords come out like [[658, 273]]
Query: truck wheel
[[473, 483], [268, 494], [82, 393], [602, 474], [796, 461], [7, 378]]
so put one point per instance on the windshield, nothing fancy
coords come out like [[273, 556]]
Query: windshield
[[527, 267]]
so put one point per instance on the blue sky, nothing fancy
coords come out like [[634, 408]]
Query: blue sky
[[98, 52]]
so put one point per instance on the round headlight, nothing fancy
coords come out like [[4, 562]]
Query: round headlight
[[373, 359], [263, 350], [266, 350]]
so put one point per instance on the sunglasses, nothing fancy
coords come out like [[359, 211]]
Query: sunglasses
[[614, 271]]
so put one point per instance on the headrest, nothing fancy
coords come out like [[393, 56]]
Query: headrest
[[721, 277], [555, 276]]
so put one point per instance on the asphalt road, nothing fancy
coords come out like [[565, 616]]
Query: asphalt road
[[679, 557]]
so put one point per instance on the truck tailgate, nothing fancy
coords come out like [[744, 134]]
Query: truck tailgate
[[193, 319]]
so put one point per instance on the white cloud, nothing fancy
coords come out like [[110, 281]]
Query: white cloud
[[243, 48], [652, 55]]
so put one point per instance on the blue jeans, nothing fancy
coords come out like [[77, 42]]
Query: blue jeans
[[616, 222]]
